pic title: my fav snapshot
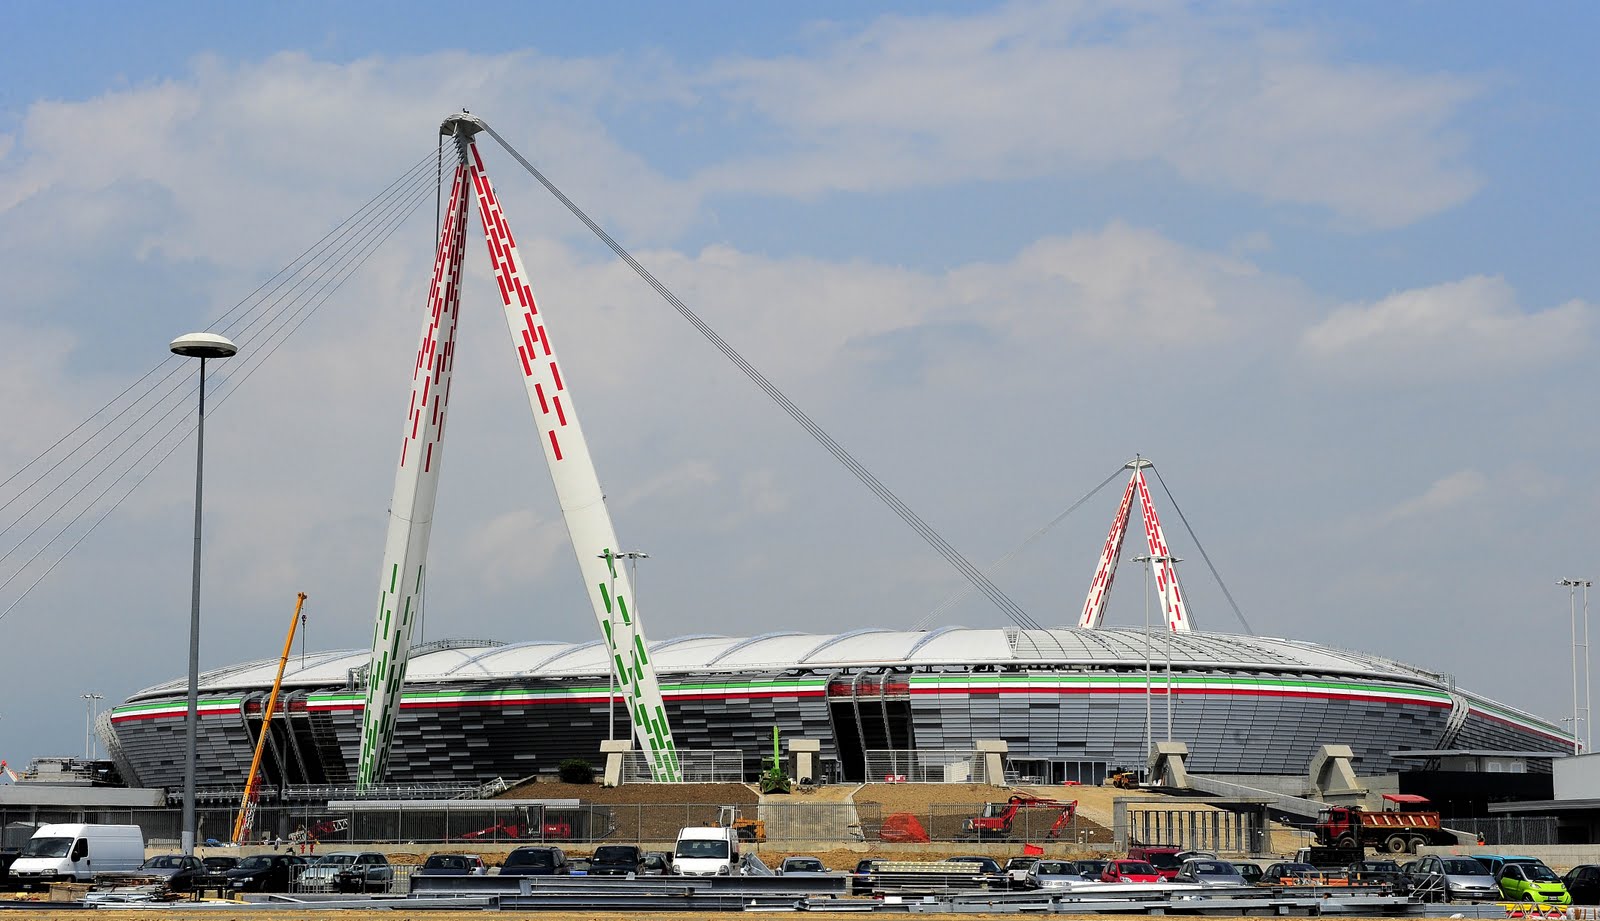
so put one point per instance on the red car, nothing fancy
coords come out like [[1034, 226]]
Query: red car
[[1130, 871]]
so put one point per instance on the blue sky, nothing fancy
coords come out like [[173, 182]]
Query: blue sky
[[1329, 265]]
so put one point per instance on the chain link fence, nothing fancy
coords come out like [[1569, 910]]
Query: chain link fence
[[947, 766], [698, 766]]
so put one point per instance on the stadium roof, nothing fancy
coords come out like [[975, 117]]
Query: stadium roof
[[478, 660]]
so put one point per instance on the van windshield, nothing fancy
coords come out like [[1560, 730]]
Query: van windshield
[[1163, 861], [47, 847], [704, 848]]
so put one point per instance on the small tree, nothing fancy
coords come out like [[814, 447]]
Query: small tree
[[576, 770]]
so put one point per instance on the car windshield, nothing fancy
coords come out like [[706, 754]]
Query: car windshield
[[1164, 861], [1054, 868], [1540, 873], [47, 847], [803, 864], [445, 862], [220, 863], [1465, 866], [258, 862], [706, 848], [1136, 868], [164, 862], [334, 860], [616, 853], [985, 864], [531, 859], [1211, 868]]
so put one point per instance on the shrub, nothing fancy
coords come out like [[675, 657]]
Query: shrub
[[576, 770]]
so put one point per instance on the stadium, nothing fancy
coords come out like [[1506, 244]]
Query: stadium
[[1070, 702]]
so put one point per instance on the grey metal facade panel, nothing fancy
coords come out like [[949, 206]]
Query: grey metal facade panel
[[1228, 729]]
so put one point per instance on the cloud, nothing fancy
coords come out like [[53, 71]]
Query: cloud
[[1466, 328], [1444, 494], [1062, 88]]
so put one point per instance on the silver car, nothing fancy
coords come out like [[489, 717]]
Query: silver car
[[1054, 874], [1454, 879], [1209, 873]]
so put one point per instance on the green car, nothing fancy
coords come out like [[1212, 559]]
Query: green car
[[1533, 882]]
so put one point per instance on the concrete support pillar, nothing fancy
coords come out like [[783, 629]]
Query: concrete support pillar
[[803, 758], [994, 759], [614, 750], [1166, 766], [1333, 777]]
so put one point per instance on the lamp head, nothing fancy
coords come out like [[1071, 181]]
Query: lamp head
[[204, 345]]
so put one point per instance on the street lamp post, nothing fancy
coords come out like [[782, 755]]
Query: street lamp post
[[88, 724], [1579, 714], [203, 346], [633, 557]]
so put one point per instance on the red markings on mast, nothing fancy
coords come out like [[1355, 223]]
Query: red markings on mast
[[555, 445], [560, 414], [556, 373]]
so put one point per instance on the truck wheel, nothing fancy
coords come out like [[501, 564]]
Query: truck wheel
[[1347, 841], [1395, 845], [1416, 843]]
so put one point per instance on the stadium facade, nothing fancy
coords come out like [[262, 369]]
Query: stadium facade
[[1070, 702]]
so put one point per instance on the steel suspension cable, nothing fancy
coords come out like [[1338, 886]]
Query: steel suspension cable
[[1203, 554], [388, 218], [953, 556], [224, 317], [319, 247], [959, 595], [330, 284]]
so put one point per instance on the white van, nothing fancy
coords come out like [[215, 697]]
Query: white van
[[58, 853], [706, 852]]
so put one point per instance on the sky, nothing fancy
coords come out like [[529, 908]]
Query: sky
[[1328, 265]]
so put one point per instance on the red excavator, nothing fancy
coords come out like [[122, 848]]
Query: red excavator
[[996, 819]]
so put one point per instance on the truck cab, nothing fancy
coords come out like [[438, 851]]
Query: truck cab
[[706, 852]]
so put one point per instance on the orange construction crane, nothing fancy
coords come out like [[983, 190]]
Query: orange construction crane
[[996, 819], [252, 783]]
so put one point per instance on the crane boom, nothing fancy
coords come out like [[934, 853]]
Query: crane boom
[[252, 781]]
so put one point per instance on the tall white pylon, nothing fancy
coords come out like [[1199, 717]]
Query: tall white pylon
[[1162, 564], [571, 470]]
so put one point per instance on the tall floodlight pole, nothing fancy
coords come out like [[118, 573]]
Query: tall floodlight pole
[[1578, 713], [1148, 717], [1588, 700], [88, 725], [633, 557], [203, 346]]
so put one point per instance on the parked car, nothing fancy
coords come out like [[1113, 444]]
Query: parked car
[[1090, 869], [1017, 869], [369, 872], [616, 860], [1535, 882], [1291, 873], [1195, 855], [178, 872], [535, 861], [1054, 874], [993, 876], [266, 873], [219, 865], [1377, 873], [320, 872], [1208, 873], [1250, 871], [1129, 871], [452, 865], [1164, 857], [655, 863], [803, 866], [861, 877], [1452, 878], [1583, 884]]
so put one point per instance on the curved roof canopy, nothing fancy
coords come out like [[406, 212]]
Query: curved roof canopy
[[960, 647]]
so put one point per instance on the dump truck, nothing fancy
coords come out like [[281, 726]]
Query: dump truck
[[1395, 831]]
